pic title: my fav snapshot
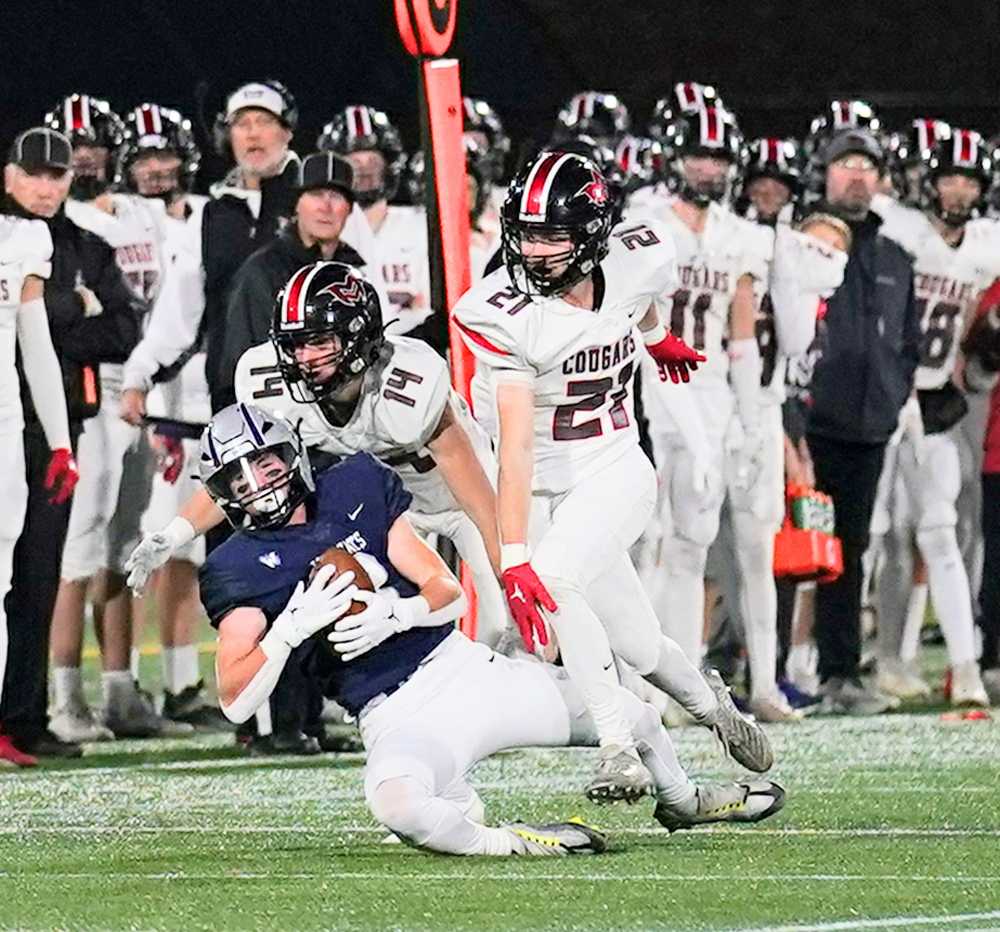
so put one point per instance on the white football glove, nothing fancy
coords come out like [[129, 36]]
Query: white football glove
[[385, 616], [154, 550], [315, 606]]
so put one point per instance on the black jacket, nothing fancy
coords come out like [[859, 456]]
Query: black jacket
[[80, 342], [869, 343], [251, 300], [229, 235]]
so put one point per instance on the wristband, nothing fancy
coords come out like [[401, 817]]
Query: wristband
[[274, 646], [512, 555], [656, 334], [410, 613]]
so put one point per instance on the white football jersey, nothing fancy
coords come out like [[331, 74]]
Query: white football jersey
[[183, 296], [581, 362], [709, 265], [947, 282], [25, 249], [136, 233], [401, 404], [402, 249]]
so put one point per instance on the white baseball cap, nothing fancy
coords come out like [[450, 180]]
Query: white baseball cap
[[261, 96]]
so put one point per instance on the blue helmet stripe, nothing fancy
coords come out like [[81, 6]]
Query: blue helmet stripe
[[258, 437]]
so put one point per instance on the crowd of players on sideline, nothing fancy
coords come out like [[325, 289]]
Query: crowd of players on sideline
[[154, 296]]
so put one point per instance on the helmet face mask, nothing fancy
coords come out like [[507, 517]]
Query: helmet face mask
[[326, 330], [705, 178], [255, 467], [96, 133], [957, 177], [555, 223], [157, 134]]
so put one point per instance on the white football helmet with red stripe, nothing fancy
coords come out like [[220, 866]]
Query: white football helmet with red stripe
[[958, 152], [150, 128], [88, 121], [558, 196], [360, 128], [326, 329]]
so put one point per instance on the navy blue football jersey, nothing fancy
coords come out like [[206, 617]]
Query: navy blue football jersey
[[356, 503]]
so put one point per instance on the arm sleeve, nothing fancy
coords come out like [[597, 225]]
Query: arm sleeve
[[42, 371], [173, 325]]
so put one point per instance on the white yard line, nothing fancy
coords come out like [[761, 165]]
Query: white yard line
[[530, 876], [895, 922], [127, 829]]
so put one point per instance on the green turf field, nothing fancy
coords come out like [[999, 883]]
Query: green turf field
[[890, 823]]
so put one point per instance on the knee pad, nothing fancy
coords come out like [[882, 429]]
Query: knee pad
[[682, 556], [398, 803], [939, 543]]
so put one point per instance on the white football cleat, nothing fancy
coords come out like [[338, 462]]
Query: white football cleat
[[76, 724], [621, 775], [896, 679], [743, 740], [725, 802], [967, 690], [776, 710], [557, 838]]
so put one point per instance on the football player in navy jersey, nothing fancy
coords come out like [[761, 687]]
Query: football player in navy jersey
[[430, 703]]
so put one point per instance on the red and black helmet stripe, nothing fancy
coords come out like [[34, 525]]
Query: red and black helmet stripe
[[966, 148], [359, 122], [147, 118], [534, 200], [711, 127], [293, 314], [76, 112]]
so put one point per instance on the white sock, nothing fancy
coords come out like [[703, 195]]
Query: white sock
[[180, 667], [116, 685], [680, 679], [949, 587], [758, 601], [67, 685], [587, 657], [673, 786], [916, 609], [133, 663]]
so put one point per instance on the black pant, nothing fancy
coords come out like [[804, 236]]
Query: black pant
[[849, 473], [29, 604], [989, 593]]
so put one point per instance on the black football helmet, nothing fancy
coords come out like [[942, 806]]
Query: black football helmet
[[326, 301], [710, 131], [152, 128], [959, 152], [479, 168], [907, 154], [598, 114], [642, 161], [481, 123], [686, 98], [768, 157], [558, 195], [840, 115], [604, 158], [361, 128], [88, 121]]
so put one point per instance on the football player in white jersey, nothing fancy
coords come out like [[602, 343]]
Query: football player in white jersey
[[116, 462], [159, 161], [369, 141], [25, 256], [349, 388], [721, 260], [558, 334], [956, 256]]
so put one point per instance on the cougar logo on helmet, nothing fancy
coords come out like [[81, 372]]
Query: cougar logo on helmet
[[344, 292]]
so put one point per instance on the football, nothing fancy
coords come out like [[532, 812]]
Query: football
[[344, 563]]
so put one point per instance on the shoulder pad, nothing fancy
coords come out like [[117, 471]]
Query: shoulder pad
[[644, 250], [491, 317], [413, 388]]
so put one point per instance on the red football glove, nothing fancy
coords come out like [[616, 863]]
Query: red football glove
[[171, 458], [525, 592], [674, 358], [62, 476]]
